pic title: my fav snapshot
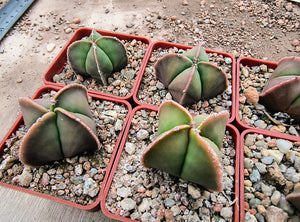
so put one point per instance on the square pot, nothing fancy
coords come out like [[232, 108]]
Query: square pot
[[134, 193], [269, 172], [150, 91], [254, 73], [62, 181], [55, 75]]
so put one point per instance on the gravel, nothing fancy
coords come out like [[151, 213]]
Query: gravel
[[155, 195], [77, 179], [270, 179]]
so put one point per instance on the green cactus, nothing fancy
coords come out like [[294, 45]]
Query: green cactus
[[58, 128], [282, 91], [294, 197], [190, 77], [97, 56], [188, 147]]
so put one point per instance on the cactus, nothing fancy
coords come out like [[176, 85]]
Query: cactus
[[188, 147], [294, 197], [57, 128], [190, 77], [282, 91], [97, 56]]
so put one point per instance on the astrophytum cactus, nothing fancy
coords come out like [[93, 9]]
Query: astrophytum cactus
[[97, 56], [188, 147], [190, 77], [294, 198], [57, 128], [282, 91]]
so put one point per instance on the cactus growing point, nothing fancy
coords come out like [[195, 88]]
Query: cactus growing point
[[97, 56], [58, 128], [190, 77], [188, 147], [282, 91]]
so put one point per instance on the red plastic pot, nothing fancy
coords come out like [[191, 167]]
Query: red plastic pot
[[59, 62], [167, 45], [272, 135], [19, 122], [250, 62], [236, 139]]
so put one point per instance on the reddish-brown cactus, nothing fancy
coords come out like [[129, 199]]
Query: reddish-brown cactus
[[188, 147], [190, 77], [294, 198], [282, 91], [62, 127]]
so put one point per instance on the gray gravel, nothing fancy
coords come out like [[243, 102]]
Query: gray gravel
[[270, 174]]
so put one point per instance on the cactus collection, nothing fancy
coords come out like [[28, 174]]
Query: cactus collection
[[282, 91], [190, 77], [188, 147], [57, 128], [97, 56]]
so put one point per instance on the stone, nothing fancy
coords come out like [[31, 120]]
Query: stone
[[90, 187], [267, 160], [262, 168], [254, 176], [50, 47], [194, 192], [275, 197], [124, 192], [145, 205], [142, 134], [276, 154], [283, 145], [292, 175], [251, 95], [130, 148], [169, 202], [275, 214], [226, 212], [26, 177], [128, 204]]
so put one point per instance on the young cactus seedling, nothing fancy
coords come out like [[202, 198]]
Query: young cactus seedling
[[58, 128], [188, 147], [282, 91], [190, 77], [97, 56]]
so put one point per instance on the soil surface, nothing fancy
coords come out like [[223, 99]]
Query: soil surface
[[264, 29]]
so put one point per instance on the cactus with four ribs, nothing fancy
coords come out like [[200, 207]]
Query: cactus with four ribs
[[97, 56], [188, 147], [190, 77], [57, 128], [282, 91]]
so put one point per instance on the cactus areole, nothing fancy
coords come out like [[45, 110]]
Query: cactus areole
[[97, 56], [190, 77], [57, 128], [188, 147], [282, 91]]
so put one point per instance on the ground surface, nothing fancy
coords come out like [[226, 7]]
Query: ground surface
[[264, 29]]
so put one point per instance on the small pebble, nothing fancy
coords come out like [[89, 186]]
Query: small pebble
[[50, 47]]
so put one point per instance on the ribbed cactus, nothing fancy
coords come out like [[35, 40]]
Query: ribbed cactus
[[57, 128], [188, 147], [294, 197], [97, 56], [190, 77], [282, 91]]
